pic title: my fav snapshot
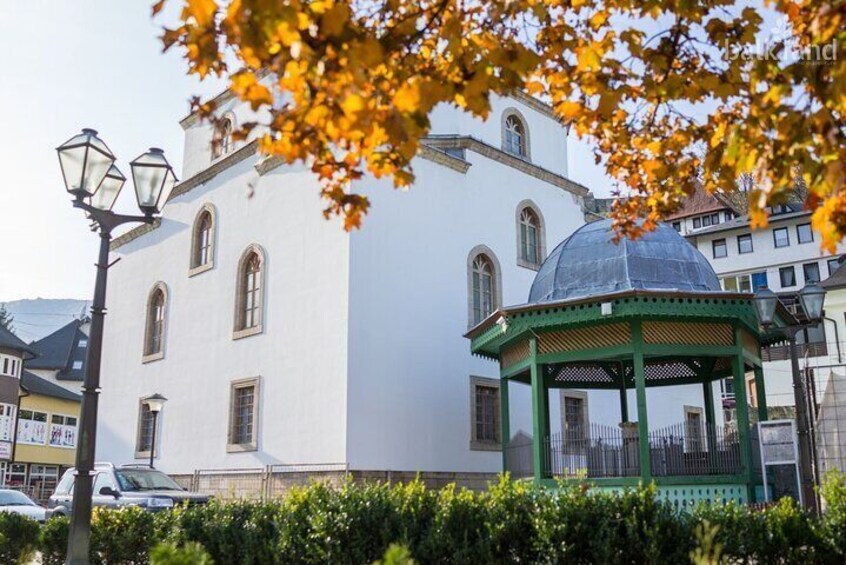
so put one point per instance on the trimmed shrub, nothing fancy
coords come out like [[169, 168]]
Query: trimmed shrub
[[18, 538], [512, 522]]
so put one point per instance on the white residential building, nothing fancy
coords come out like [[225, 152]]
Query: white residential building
[[278, 338], [785, 256]]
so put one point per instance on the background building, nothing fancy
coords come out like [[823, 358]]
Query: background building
[[62, 355], [13, 352]]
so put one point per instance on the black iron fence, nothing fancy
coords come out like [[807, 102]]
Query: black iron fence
[[602, 451]]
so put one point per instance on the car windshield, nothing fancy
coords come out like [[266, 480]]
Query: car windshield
[[14, 498], [144, 479]]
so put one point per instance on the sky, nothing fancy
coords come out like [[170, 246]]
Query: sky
[[97, 64]]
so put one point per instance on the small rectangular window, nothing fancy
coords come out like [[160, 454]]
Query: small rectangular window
[[788, 276], [744, 243], [32, 427], [811, 272], [706, 221], [833, 264], [677, 226], [781, 237], [728, 216], [720, 249], [82, 343], [804, 233], [697, 223], [485, 417], [730, 284], [759, 281], [144, 438], [77, 365], [715, 219], [243, 415]]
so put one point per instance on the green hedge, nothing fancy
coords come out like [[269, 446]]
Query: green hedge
[[509, 523]]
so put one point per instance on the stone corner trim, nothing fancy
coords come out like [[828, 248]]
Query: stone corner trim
[[134, 234], [214, 169], [441, 157], [486, 150]]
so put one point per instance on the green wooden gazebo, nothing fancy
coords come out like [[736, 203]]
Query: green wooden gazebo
[[631, 315]]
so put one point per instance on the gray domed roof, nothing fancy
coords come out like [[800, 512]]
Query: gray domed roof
[[589, 263]]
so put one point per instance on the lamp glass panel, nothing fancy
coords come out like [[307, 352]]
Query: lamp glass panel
[[765, 304], [85, 160], [812, 298], [105, 197]]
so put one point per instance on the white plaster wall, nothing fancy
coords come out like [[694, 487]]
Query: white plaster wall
[[410, 366], [300, 356], [547, 137]]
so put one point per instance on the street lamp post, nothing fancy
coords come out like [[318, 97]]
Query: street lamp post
[[811, 299], [91, 177], [154, 403]]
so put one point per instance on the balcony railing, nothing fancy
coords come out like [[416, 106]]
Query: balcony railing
[[601, 451]]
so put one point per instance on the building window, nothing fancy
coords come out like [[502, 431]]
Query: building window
[[16, 474], [744, 243], [574, 414], [155, 331], [728, 216], [811, 272], [706, 221], [677, 226], [7, 422], [694, 438], [82, 343], [515, 136], [248, 316], [77, 365], [781, 237], [833, 265], [804, 233], [243, 415], [9, 366], [485, 414], [202, 241], [697, 223], [144, 438], [32, 427], [484, 284], [719, 248], [222, 139], [530, 236], [62, 431], [788, 276], [759, 281]]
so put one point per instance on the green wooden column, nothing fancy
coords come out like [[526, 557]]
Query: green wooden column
[[540, 414], [505, 422], [624, 397], [642, 420], [742, 406], [710, 420], [761, 394]]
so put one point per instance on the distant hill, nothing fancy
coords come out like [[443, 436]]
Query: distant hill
[[38, 317]]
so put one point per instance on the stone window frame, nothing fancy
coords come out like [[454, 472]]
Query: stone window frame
[[144, 454], [527, 146], [541, 238], [573, 393], [194, 268], [218, 152], [497, 281], [239, 331], [688, 439], [249, 382], [149, 355], [481, 445]]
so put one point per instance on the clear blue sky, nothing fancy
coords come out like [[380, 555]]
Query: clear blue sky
[[92, 63]]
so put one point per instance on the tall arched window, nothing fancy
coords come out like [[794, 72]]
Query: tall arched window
[[203, 240], [484, 284], [530, 236], [515, 137], [248, 315], [222, 139], [155, 325]]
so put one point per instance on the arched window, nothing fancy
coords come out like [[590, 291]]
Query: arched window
[[530, 236], [222, 139], [202, 241], [248, 315], [155, 326], [484, 284], [515, 136]]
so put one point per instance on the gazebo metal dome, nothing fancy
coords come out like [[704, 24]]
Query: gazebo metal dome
[[589, 263]]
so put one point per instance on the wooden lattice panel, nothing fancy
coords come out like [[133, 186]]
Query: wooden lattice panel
[[514, 354], [750, 344], [592, 337], [667, 371], [688, 333], [579, 372]]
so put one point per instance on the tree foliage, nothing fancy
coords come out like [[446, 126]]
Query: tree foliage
[[6, 318], [672, 93]]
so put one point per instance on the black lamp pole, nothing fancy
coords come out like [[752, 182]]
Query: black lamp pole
[[95, 183]]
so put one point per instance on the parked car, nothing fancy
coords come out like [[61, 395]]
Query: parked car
[[16, 502], [127, 485]]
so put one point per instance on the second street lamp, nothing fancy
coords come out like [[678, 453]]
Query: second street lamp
[[811, 298], [154, 403], [90, 175]]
